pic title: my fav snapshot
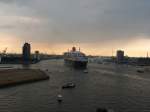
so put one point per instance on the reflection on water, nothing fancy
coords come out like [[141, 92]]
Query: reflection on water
[[103, 86]]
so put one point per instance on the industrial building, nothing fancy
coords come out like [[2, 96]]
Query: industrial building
[[120, 56], [37, 55]]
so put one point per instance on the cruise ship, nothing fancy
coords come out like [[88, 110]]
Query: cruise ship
[[75, 58]]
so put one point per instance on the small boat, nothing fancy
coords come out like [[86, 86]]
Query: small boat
[[68, 85], [59, 98], [140, 71], [103, 110], [85, 71]]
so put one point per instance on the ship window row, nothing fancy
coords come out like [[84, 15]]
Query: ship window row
[[75, 54]]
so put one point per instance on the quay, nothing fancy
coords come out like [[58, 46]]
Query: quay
[[11, 77]]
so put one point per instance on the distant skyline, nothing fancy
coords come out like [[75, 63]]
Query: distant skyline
[[96, 26]]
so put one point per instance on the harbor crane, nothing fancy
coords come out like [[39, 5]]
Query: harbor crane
[[3, 54], [4, 51]]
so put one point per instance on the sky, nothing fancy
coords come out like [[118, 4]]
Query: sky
[[98, 27]]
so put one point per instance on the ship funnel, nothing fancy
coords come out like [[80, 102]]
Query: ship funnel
[[73, 49]]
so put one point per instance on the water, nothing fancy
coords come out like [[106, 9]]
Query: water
[[119, 88]]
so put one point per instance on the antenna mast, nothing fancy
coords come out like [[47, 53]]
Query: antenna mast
[[147, 55]]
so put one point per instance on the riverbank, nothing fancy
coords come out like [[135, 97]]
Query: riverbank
[[13, 77]]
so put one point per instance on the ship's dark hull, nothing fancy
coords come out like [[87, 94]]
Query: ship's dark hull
[[76, 64]]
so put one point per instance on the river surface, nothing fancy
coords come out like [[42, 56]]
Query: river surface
[[116, 87]]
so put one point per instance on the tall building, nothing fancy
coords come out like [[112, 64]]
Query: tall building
[[26, 52], [120, 56]]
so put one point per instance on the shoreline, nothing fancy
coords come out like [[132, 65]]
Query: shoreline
[[13, 77]]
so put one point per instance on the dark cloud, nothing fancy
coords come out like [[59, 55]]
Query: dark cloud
[[81, 20], [19, 2]]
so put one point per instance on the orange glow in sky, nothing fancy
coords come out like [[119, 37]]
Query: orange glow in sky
[[137, 48]]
